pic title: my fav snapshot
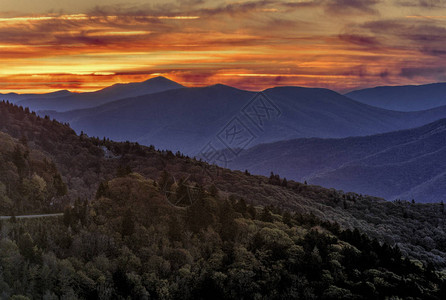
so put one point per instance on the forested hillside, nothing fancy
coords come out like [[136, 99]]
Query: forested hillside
[[130, 242], [185, 229], [29, 181]]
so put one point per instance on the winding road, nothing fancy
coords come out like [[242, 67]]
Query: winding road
[[32, 216]]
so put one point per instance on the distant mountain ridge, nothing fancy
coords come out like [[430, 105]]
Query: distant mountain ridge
[[65, 101], [403, 98], [14, 97], [180, 119], [186, 119], [407, 164]]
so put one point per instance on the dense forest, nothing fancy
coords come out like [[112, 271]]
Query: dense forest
[[131, 242], [144, 223], [29, 181]]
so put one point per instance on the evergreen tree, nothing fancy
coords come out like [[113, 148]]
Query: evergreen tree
[[240, 206], [199, 215], [266, 215], [165, 181], [284, 182], [18, 159], [128, 223], [123, 171], [67, 217], [286, 219], [102, 190], [59, 185], [213, 191], [252, 211]]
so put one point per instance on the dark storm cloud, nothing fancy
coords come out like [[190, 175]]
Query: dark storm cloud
[[360, 40], [195, 7], [351, 6], [434, 72], [184, 8], [422, 3], [424, 35]]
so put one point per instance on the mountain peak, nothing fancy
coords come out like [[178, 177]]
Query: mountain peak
[[60, 93], [157, 83], [221, 86], [160, 79]]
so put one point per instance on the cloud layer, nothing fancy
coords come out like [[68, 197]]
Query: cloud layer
[[339, 44]]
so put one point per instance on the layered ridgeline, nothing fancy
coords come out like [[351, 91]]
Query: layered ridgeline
[[403, 98], [406, 164], [418, 229], [64, 100], [187, 119], [14, 97], [159, 225]]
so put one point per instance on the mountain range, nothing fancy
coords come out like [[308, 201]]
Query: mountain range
[[186, 119], [403, 98], [64, 100], [14, 97], [407, 164], [309, 134]]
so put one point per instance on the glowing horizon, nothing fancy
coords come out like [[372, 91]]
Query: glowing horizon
[[338, 44]]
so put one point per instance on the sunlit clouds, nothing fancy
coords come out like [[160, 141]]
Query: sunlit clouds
[[341, 44]]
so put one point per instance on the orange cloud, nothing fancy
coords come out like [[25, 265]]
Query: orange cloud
[[247, 44]]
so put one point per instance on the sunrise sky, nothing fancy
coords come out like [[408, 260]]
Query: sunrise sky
[[85, 45]]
